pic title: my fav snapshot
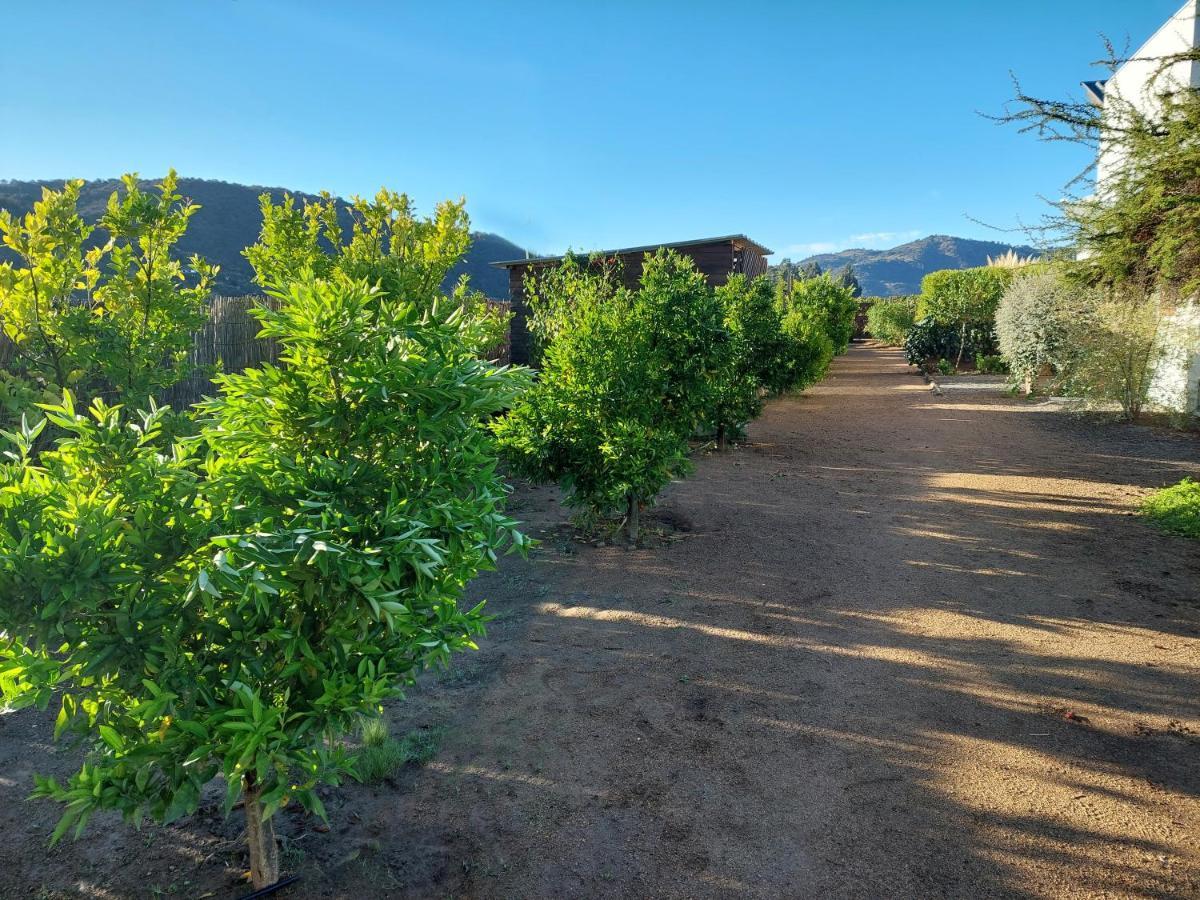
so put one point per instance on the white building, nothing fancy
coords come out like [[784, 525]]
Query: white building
[[1140, 83]]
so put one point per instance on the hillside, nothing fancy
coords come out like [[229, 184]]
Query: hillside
[[229, 221], [899, 270]]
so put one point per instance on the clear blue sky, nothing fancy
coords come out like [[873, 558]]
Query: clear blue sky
[[808, 125]]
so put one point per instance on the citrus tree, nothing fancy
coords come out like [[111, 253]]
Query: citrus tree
[[381, 239], [230, 606], [826, 299], [109, 315], [756, 359], [621, 387]]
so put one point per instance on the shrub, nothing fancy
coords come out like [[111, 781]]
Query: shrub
[[1033, 320], [830, 301], [1113, 350], [889, 318], [756, 359], [622, 388], [928, 343], [115, 320], [990, 364], [1176, 509], [234, 604], [388, 244], [810, 350], [965, 299]]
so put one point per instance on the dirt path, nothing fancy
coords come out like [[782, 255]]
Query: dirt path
[[902, 646]]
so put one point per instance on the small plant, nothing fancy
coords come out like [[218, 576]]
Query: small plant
[[990, 364], [1114, 349], [945, 367], [1176, 509], [382, 755]]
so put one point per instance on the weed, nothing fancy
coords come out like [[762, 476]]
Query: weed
[[382, 755], [1176, 509]]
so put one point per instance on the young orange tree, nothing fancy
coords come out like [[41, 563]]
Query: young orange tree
[[756, 357], [229, 606], [624, 382]]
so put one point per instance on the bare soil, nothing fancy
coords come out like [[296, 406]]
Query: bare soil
[[896, 645]]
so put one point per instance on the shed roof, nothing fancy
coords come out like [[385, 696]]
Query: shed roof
[[648, 248]]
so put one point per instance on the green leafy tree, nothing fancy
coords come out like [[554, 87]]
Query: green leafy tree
[[890, 318], [849, 278], [963, 299], [231, 606], [382, 240], [622, 388], [829, 301], [112, 320], [809, 349], [757, 355], [556, 292]]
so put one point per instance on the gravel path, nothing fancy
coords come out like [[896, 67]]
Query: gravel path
[[898, 645]]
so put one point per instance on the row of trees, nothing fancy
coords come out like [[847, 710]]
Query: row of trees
[[226, 590], [629, 376], [229, 592]]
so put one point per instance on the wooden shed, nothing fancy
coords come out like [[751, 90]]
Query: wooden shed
[[717, 258]]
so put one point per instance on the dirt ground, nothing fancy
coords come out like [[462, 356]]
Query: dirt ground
[[897, 645]]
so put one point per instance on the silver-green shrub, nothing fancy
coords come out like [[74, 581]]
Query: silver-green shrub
[[1033, 323]]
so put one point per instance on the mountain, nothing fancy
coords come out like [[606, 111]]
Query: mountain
[[229, 221], [883, 273]]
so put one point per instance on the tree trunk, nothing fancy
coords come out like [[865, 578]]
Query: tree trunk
[[631, 525], [260, 837], [962, 345], [721, 441]]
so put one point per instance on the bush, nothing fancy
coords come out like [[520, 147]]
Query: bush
[[1113, 350], [928, 343], [621, 388], [234, 604], [828, 301], [889, 318], [990, 364], [756, 361], [964, 299], [1033, 321], [810, 350], [388, 244], [1176, 509]]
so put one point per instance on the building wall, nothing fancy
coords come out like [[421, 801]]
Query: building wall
[[1139, 84], [1135, 83], [1176, 383]]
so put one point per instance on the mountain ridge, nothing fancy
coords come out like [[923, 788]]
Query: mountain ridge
[[230, 220], [899, 269]]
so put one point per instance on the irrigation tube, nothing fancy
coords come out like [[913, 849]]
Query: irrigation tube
[[271, 888]]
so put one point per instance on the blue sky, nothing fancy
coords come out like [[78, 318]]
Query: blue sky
[[807, 125]]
